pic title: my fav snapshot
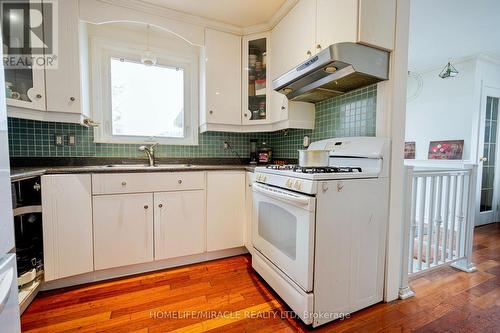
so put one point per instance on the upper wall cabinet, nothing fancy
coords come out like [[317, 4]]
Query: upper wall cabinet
[[56, 89], [222, 81], [293, 38], [370, 22], [256, 87], [315, 24], [236, 89]]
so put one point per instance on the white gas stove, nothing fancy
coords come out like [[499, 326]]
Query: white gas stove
[[319, 233], [350, 158]]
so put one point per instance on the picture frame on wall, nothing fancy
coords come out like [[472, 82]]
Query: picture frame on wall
[[410, 149], [446, 150]]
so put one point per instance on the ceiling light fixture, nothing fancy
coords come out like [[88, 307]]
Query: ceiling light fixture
[[148, 57], [448, 71]]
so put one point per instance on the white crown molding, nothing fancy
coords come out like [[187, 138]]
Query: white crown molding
[[151, 9], [275, 19]]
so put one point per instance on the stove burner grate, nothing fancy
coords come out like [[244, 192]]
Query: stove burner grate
[[311, 170]]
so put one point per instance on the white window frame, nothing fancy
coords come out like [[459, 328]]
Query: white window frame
[[102, 52]]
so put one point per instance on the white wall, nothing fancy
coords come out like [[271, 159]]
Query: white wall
[[443, 110]]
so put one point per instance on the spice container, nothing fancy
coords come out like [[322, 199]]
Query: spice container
[[265, 154]]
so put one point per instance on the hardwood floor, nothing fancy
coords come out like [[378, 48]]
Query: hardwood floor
[[223, 295]]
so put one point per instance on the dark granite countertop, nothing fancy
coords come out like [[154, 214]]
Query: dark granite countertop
[[18, 173]]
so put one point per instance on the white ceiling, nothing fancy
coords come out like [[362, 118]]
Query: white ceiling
[[443, 29], [240, 13]]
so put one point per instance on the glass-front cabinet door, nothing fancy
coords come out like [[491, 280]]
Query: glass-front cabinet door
[[23, 55], [256, 85]]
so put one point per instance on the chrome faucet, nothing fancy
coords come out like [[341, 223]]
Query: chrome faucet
[[150, 151]]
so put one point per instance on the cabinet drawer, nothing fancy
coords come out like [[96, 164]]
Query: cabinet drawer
[[116, 183]]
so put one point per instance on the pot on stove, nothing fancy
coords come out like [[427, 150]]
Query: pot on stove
[[314, 158]]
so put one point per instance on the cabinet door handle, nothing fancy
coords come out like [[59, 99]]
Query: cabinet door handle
[[146, 206], [72, 99], [160, 205], [180, 181], [283, 108], [38, 96], [318, 47], [211, 112], [124, 183], [309, 53]]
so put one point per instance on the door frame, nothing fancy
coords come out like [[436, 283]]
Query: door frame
[[483, 218]]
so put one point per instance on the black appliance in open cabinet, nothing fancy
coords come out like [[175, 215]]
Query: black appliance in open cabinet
[[26, 204]]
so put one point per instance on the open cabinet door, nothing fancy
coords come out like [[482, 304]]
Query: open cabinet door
[[488, 169]]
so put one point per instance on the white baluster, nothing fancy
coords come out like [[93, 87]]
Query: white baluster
[[413, 225], [460, 217], [430, 220], [421, 216], [446, 217], [438, 218], [453, 217]]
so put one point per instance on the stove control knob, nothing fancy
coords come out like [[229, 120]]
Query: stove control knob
[[289, 183], [298, 184], [259, 177], [264, 178]]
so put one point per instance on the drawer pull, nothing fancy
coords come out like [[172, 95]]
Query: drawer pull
[[180, 181], [160, 205], [146, 206], [124, 183]]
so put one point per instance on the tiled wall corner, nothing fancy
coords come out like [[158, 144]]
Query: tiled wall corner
[[351, 114]]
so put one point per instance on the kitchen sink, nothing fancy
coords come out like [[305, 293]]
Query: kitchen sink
[[132, 166]]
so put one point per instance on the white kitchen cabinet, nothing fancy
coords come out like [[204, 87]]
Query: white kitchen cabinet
[[377, 23], [56, 92], [256, 86], [221, 84], [25, 87], [337, 21], [370, 22], [179, 224], [123, 229], [225, 209], [293, 38], [248, 210], [67, 86], [67, 225]]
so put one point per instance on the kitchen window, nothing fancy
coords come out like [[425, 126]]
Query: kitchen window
[[141, 103]]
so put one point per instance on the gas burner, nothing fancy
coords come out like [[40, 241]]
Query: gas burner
[[281, 166], [326, 169]]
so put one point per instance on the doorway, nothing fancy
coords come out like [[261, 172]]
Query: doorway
[[488, 172]]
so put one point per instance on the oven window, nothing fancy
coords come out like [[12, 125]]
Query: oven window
[[278, 227]]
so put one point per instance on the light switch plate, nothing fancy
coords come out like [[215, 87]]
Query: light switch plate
[[71, 140], [59, 139]]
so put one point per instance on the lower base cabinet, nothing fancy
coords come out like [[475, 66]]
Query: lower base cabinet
[[123, 229], [179, 224], [225, 209], [67, 225]]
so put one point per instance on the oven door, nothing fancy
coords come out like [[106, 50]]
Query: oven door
[[283, 231]]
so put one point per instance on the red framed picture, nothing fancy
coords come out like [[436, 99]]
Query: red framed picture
[[446, 150], [410, 150]]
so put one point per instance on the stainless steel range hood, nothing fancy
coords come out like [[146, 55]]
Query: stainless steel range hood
[[334, 71]]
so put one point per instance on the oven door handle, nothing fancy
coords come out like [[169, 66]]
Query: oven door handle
[[282, 195]]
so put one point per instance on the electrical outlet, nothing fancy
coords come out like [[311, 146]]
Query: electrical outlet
[[71, 140], [59, 139]]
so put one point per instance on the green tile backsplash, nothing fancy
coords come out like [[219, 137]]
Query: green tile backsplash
[[351, 114]]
